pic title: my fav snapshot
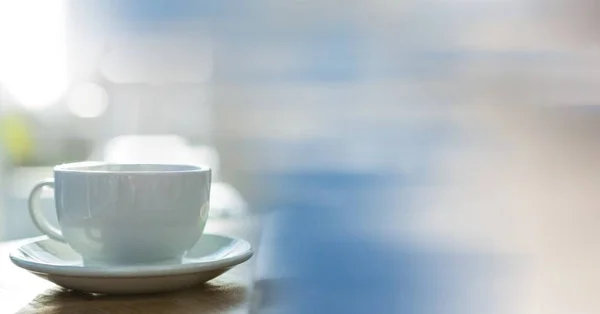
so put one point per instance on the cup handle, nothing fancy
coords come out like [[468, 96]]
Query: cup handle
[[36, 215]]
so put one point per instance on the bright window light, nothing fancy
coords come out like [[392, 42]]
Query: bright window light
[[33, 53]]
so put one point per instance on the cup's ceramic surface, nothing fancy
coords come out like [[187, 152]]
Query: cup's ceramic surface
[[127, 213]]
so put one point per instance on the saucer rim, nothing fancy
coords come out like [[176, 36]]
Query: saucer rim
[[132, 271]]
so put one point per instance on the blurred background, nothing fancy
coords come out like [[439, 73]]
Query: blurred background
[[466, 129]]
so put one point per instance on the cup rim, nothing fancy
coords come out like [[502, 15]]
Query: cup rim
[[88, 167]]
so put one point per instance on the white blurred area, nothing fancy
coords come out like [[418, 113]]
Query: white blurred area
[[33, 56], [87, 100]]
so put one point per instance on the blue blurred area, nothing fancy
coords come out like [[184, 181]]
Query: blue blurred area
[[351, 275], [147, 12], [325, 243]]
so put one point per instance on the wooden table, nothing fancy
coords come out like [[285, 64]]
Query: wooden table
[[22, 292]]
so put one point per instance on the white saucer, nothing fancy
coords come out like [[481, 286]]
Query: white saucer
[[212, 256]]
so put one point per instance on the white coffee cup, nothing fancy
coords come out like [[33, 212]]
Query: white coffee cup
[[126, 213]]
